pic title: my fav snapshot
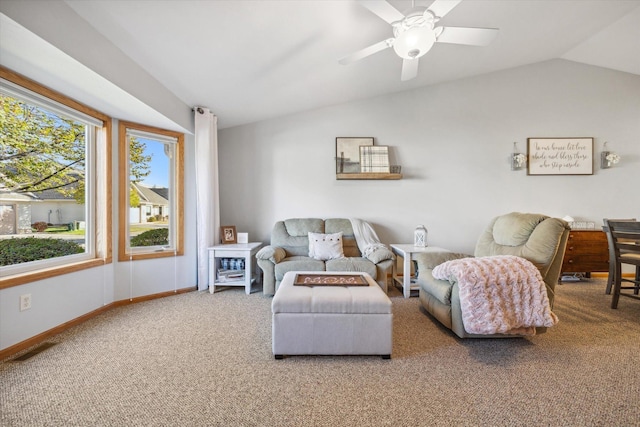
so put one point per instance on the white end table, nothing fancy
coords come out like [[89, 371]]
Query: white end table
[[246, 251], [406, 251]]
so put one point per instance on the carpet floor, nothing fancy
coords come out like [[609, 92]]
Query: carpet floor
[[198, 359]]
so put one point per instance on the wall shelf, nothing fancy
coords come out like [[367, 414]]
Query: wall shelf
[[369, 175]]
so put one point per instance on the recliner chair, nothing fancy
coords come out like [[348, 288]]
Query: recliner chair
[[535, 237]]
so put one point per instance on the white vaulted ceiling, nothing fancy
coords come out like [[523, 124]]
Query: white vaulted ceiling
[[254, 60]]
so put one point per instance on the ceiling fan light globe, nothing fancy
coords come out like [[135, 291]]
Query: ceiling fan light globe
[[414, 42]]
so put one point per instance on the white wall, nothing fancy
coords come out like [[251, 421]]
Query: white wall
[[453, 141], [53, 302], [139, 93]]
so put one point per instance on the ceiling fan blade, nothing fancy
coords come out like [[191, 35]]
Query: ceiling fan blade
[[469, 36], [363, 53], [441, 7], [383, 9], [409, 69]]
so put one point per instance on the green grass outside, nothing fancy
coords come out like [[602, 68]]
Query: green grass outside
[[64, 230]]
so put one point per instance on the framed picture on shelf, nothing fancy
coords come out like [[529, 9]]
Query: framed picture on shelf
[[560, 156], [228, 234], [348, 153], [374, 158]]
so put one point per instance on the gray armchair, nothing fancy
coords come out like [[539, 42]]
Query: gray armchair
[[537, 238]]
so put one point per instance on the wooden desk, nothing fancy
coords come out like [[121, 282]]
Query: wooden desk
[[587, 251]]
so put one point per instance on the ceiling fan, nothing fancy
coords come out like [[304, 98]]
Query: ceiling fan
[[415, 32]]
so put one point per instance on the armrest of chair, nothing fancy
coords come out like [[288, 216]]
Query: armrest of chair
[[274, 254], [428, 260]]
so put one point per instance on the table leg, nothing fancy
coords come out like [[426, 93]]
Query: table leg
[[247, 274], [212, 273], [406, 276]]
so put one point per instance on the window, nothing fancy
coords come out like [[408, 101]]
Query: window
[[52, 197], [151, 180]]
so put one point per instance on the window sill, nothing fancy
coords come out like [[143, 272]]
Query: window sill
[[32, 276], [148, 255]]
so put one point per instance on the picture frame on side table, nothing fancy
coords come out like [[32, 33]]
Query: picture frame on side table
[[228, 234], [348, 153], [560, 156]]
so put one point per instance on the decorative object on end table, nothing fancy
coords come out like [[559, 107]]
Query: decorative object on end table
[[608, 158], [420, 237], [228, 234], [560, 156]]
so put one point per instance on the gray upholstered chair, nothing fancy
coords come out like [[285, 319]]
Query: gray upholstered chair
[[537, 238]]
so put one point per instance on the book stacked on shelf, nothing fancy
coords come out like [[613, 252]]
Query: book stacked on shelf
[[230, 275]]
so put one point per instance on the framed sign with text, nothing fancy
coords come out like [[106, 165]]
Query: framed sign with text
[[560, 156]]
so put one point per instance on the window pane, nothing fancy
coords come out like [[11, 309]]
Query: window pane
[[43, 183], [150, 200]]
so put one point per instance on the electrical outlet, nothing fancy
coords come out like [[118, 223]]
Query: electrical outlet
[[25, 302]]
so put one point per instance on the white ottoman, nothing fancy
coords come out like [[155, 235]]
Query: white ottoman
[[324, 320]]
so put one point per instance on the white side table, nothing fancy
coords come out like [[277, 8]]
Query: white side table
[[406, 251], [245, 251]]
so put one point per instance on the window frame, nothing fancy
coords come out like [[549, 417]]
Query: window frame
[[99, 232], [140, 253]]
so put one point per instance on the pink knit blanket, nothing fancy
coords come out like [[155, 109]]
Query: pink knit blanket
[[499, 294]]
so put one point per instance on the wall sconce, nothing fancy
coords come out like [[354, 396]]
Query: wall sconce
[[518, 160], [608, 158]]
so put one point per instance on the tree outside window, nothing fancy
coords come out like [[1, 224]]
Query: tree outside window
[[42, 183], [50, 150]]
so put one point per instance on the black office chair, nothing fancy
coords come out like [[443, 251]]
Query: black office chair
[[612, 265], [626, 245]]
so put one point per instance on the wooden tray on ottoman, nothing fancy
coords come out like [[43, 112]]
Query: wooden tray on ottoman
[[330, 280]]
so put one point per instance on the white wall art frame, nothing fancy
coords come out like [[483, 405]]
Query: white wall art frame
[[560, 156]]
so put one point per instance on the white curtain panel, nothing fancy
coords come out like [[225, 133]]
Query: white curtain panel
[[207, 189]]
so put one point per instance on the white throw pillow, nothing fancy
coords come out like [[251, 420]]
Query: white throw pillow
[[325, 246]]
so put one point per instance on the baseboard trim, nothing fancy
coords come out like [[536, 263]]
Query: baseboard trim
[[152, 297], [37, 339]]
